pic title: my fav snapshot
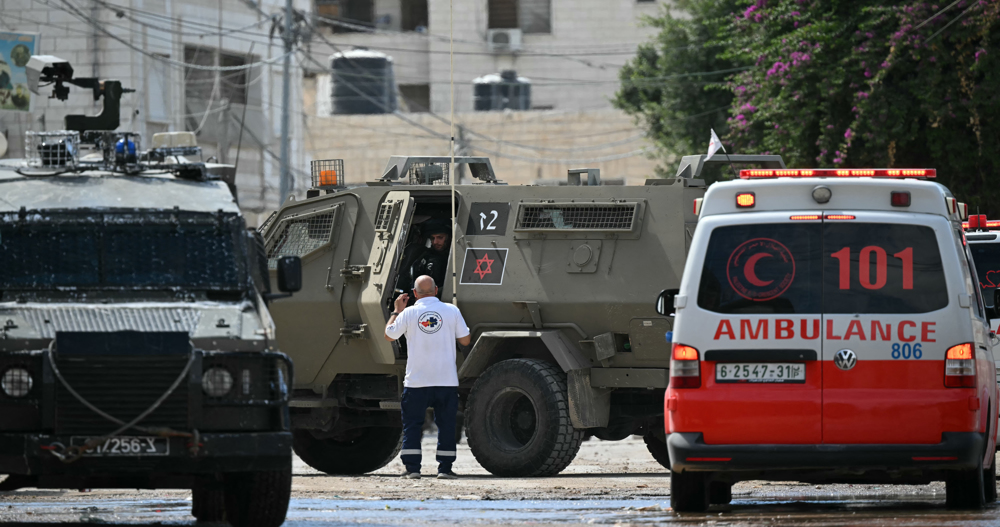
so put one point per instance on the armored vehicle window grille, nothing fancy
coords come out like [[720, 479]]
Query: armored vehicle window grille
[[42, 251], [579, 217], [384, 217], [300, 235]]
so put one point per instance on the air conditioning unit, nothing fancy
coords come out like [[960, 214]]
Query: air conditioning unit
[[504, 40]]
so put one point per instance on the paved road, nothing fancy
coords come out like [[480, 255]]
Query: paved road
[[911, 511], [608, 484]]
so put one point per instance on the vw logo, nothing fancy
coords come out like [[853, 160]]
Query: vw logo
[[845, 359]]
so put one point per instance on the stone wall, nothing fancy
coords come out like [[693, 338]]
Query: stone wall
[[524, 147]]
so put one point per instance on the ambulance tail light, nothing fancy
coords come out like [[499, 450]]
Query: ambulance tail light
[[899, 198], [745, 200], [963, 210], [685, 368], [952, 205], [697, 206], [960, 367]]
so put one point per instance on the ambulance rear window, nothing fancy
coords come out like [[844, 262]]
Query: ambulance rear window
[[763, 269], [987, 259], [829, 267], [881, 268]]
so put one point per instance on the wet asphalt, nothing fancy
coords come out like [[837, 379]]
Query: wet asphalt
[[782, 506]]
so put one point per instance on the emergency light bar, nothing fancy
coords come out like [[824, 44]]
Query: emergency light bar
[[979, 221], [838, 172]]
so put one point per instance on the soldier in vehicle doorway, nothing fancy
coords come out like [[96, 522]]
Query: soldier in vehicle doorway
[[433, 261]]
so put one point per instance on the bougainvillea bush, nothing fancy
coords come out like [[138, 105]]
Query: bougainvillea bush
[[867, 83]]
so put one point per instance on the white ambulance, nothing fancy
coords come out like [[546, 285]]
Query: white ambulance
[[829, 330], [984, 243]]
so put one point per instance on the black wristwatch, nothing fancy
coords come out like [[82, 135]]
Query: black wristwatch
[[395, 313]]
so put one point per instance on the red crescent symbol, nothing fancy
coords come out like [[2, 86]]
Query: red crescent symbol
[[748, 270]]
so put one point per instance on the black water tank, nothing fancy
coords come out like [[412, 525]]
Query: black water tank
[[505, 91], [363, 82]]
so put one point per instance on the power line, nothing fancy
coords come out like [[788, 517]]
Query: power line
[[74, 11]]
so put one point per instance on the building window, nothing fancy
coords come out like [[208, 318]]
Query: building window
[[199, 84], [414, 15], [531, 16], [416, 97], [350, 12], [535, 16], [502, 14]]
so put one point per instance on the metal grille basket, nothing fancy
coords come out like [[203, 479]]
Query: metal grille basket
[[328, 173]]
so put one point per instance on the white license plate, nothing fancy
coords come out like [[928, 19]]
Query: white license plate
[[760, 372], [125, 446]]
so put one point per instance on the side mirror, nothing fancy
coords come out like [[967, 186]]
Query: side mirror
[[289, 274], [665, 302]]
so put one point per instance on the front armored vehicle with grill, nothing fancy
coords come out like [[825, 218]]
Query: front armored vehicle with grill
[[552, 280], [137, 349]]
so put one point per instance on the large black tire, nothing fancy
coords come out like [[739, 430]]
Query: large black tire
[[657, 446], [208, 505], [990, 483], [517, 420], [689, 491], [365, 450], [258, 499], [965, 490], [720, 493]]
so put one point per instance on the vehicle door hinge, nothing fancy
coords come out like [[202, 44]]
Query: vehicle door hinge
[[354, 331], [355, 272]]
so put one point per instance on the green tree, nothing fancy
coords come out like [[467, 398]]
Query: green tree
[[672, 86], [871, 83]]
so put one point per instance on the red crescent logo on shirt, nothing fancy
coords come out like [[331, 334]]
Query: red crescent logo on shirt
[[429, 322]]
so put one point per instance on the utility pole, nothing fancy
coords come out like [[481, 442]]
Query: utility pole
[[286, 176]]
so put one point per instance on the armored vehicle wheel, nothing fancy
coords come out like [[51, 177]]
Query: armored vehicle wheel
[[657, 445], [517, 420], [208, 505], [360, 451], [258, 499], [689, 491]]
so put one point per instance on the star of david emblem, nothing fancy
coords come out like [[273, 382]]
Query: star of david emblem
[[485, 260]]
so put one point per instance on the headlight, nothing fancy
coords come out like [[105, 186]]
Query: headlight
[[16, 382], [216, 382]]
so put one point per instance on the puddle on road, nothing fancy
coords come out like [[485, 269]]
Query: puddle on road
[[779, 511]]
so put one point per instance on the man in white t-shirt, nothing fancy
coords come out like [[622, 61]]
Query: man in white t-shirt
[[432, 328]]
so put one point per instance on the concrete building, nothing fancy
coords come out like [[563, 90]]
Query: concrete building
[[167, 50], [570, 50]]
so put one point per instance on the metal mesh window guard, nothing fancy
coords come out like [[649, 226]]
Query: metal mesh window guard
[[384, 217], [121, 251], [327, 173], [299, 236], [591, 217]]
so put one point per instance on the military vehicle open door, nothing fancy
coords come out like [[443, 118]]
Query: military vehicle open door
[[392, 222]]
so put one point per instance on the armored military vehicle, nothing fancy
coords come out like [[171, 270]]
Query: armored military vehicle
[[137, 347], [553, 281]]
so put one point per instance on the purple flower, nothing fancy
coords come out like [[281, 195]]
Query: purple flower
[[837, 160], [979, 53], [932, 59], [829, 127], [848, 134], [748, 108], [861, 95], [794, 13], [885, 64], [749, 11]]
